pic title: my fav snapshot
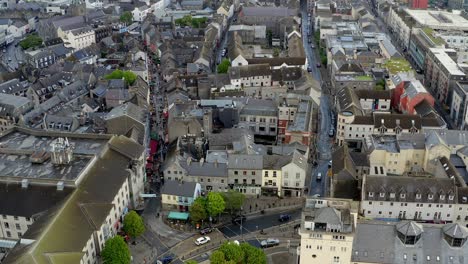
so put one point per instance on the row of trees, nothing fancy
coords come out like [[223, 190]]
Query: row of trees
[[231, 253], [216, 203], [116, 249]]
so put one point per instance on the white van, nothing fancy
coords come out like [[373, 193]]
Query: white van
[[319, 176]]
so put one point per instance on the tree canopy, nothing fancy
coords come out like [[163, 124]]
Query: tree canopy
[[215, 203], [31, 41], [233, 200], [116, 251], [133, 224], [126, 17], [223, 67], [188, 20], [198, 210], [238, 254], [128, 76]]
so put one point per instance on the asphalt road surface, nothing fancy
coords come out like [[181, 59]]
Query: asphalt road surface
[[258, 223]]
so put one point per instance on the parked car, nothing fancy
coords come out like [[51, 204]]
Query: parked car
[[205, 231], [313, 46], [284, 217], [318, 65], [202, 240], [330, 163], [165, 260], [331, 132], [270, 242], [239, 219], [319, 176]]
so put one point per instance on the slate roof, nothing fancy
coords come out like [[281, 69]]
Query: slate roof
[[250, 162], [387, 248], [204, 168], [184, 189], [275, 162], [238, 72], [268, 11], [410, 187], [259, 107]]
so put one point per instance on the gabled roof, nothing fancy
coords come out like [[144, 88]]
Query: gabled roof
[[179, 188]]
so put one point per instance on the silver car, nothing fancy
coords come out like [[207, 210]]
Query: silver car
[[270, 242]]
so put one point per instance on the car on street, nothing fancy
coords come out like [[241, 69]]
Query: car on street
[[312, 46], [270, 242], [202, 240], [319, 176], [165, 260], [205, 231], [331, 132], [330, 163], [318, 65], [284, 217], [4, 50], [239, 219]]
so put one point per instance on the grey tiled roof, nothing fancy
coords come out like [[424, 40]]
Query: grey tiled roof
[[250, 162], [184, 189], [387, 248]]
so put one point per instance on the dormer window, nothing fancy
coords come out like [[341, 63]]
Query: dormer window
[[451, 197], [382, 195], [442, 197], [430, 196], [392, 195], [403, 195], [371, 194], [418, 196]]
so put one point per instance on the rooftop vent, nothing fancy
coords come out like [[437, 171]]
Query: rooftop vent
[[24, 183], [60, 186]]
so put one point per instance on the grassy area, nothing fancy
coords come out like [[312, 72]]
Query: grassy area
[[437, 40], [395, 66]]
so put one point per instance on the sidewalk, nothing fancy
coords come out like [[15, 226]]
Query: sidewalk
[[170, 236]]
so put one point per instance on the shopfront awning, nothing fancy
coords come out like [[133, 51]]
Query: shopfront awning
[[178, 216]]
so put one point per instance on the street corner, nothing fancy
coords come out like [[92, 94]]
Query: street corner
[[141, 251], [188, 248]]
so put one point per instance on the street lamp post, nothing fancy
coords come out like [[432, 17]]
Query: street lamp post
[[242, 235]]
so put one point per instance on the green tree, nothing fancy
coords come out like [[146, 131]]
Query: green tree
[[232, 252], [116, 251], [223, 67], [129, 76], [253, 255], [198, 210], [215, 204], [133, 224], [126, 17], [276, 52], [217, 257], [191, 262], [233, 200], [31, 41]]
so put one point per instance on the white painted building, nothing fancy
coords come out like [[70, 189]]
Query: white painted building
[[139, 13], [327, 231], [294, 176], [78, 38]]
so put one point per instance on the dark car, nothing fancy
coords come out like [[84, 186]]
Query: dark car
[[318, 65], [205, 231], [166, 260], [284, 218], [239, 219]]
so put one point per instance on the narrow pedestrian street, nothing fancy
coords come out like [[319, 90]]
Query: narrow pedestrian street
[[323, 140]]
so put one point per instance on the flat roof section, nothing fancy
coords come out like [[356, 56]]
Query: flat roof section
[[23, 141], [19, 166]]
